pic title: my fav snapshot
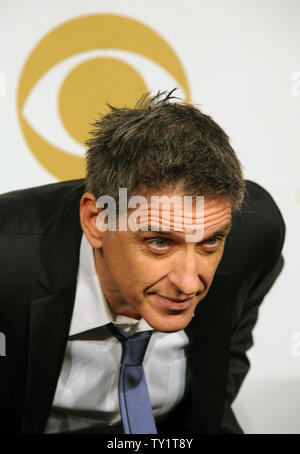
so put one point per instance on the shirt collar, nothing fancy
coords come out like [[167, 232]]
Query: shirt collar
[[90, 307]]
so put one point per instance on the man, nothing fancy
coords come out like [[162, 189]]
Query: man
[[67, 276]]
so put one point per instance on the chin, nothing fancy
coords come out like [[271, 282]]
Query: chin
[[169, 323]]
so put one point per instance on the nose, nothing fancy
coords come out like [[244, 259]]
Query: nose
[[185, 274]]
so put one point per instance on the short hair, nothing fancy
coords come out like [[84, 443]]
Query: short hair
[[158, 144]]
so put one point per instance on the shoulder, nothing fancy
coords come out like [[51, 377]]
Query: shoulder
[[260, 214], [34, 210], [257, 235], [30, 221], [258, 198]]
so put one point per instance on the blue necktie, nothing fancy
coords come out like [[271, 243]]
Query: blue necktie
[[135, 405]]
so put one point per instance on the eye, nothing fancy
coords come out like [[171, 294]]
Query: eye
[[160, 243], [213, 241]]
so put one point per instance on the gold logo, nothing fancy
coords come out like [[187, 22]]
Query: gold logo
[[90, 84]]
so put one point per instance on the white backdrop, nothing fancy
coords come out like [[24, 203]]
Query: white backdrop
[[242, 62]]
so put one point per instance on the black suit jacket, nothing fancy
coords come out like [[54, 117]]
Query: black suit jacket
[[40, 237]]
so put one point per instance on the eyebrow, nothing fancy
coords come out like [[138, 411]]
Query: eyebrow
[[222, 231]]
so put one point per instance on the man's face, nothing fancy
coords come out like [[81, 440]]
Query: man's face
[[159, 276]]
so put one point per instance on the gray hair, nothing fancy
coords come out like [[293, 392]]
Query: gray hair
[[162, 144]]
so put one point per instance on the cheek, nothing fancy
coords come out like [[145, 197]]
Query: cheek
[[130, 269], [134, 260], [216, 262], [208, 267], [147, 271]]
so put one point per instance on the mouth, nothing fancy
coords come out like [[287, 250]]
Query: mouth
[[173, 304]]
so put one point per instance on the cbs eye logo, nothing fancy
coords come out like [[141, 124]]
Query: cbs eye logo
[[75, 70]]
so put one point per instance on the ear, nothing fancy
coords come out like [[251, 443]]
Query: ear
[[88, 217]]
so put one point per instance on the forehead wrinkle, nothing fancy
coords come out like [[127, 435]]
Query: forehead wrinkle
[[210, 230], [174, 224], [171, 218], [215, 217], [225, 227], [208, 223], [174, 218], [215, 211], [169, 212], [178, 211]]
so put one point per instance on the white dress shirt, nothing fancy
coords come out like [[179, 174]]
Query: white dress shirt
[[87, 390]]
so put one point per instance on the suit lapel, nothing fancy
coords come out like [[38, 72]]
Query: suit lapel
[[49, 324], [50, 316], [208, 355]]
